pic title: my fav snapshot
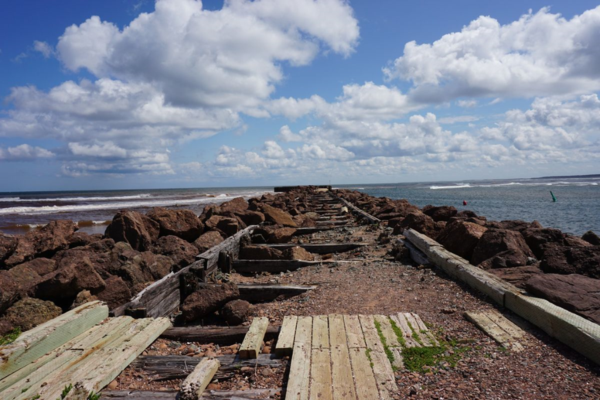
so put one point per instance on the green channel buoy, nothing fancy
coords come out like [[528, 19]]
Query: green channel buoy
[[553, 198]]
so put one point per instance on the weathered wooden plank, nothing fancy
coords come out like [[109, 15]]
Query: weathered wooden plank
[[366, 386], [341, 373], [386, 330], [250, 394], [398, 358], [384, 375], [253, 341], [268, 292], [324, 248], [360, 212], [218, 335], [507, 325], [406, 331], [414, 326], [274, 266], [46, 337], [370, 332], [285, 340], [310, 229], [193, 386], [320, 332], [354, 332], [304, 331], [96, 337], [320, 374], [337, 330], [299, 378], [424, 331], [492, 329], [179, 367]]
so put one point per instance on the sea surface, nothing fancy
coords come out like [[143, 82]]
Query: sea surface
[[576, 210]]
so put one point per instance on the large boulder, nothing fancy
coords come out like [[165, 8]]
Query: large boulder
[[251, 217], [518, 276], [514, 225], [577, 293], [584, 260], [115, 293], [134, 228], [85, 296], [260, 253], [278, 216], [495, 241], [181, 252], [29, 313], [67, 281], [236, 312], [461, 237], [8, 244], [228, 225], [275, 233], [27, 274], [298, 253], [208, 299], [419, 222], [181, 223], [9, 291], [538, 238], [208, 240], [442, 213], [83, 239], [237, 205], [591, 238], [43, 242]]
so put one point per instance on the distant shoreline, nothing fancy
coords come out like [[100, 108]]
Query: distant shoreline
[[569, 176]]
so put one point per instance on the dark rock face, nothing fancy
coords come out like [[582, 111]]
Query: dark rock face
[[260, 253], [495, 241], [9, 291], [537, 239], [419, 222], [29, 313], [115, 293], [134, 228], [236, 312], [591, 238], [68, 281], [208, 240], [514, 225], [8, 244], [508, 259], [277, 216], [577, 293], [443, 213], [181, 252], [83, 239], [461, 238], [207, 300], [44, 242], [181, 223], [229, 226], [85, 296], [251, 217], [518, 276]]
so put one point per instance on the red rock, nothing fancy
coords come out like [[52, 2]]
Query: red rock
[[207, 300], [229, 226], [583, 260], [461, 238], [181, 252], [8, 244], [68, 281], [577, 293], [134, 228], [518, 276], [208, 240], [495, 241], [115, 293], [29, 313], [83, 239], [260, 253], [419, 222], [237, 205], [298, 253], [85, 296], [251, 217], [236, 312], [181, 223], [43, 242], [442, 213], [9, 291], [591, 238], [277, 216]]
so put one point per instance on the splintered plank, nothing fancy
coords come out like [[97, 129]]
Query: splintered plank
[[320, 332], [384, 375], [285, 341], [304, 331], [193, 386], [423, 339], [398, 359], [386, 330], [337, 331], [320, 374], [341, 373], [354, 332], [407, 333], [46, 337], [507, 325], [299, 378], [95, 338], [252, 343], [483, 322], [371, 335], [424, 332], [366, 386]]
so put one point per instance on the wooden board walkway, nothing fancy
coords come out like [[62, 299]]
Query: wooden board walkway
[[344, 356], [499, 328]]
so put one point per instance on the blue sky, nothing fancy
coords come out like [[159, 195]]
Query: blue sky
[[178, 93]]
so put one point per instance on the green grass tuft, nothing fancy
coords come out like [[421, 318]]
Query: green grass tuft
[[399, 333], [10, 337], [387, 350]]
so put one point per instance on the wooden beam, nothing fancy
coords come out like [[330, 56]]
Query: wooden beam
[[193, 386], [366, 386], [44, 338], [320, 332], [250, 394], [324, 248], [274, 266], [492, 329], [320, 374], [255, 293], [299, 378], [361, 213], [252, 344], [223, 336], [285, 341]]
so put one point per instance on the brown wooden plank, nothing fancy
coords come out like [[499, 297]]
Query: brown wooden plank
[[193, 386], [285, 340], [224, 335], [252, 344], [320, 374]]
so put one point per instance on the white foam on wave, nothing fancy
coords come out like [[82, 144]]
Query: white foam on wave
[[91, 198], [9, 199], [111, 206], [463, 186]]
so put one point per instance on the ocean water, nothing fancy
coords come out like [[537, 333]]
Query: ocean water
[[576, 210]]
